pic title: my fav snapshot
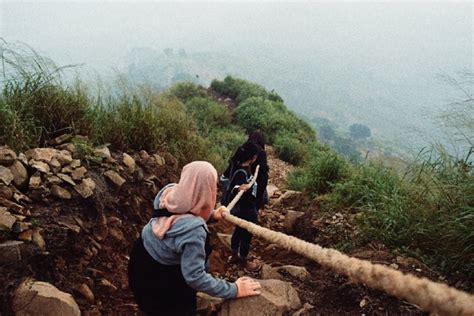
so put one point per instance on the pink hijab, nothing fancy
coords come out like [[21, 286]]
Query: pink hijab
[[195, 193]]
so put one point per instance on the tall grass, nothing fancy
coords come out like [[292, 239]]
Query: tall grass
[[429, 212]]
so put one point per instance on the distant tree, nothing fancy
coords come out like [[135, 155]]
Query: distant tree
[[359, 131], [168, 52], [326, 133], [346, 147], [182, 53]]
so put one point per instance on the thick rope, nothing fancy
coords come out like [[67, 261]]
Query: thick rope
[[430, 296]]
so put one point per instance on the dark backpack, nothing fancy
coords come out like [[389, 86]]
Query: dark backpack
[[227, 185]]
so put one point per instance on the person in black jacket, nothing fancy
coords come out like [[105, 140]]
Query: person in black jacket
[[247, 207], [259, 139]]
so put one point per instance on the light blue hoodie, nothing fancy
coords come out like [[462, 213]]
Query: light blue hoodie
[[184, 245]]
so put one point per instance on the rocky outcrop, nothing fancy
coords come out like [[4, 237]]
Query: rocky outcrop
[[62, 217], [41, 298], [277, 298]]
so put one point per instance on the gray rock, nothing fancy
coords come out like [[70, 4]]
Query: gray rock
[[64, 157], [35, 181], [159, 160], [20, 175], [60, 193], [6, 176], [41, 166], [206, 303], [86, 292], [23, 159], [272, 189], [38, 238], [129, 162], [55, 165], [76, 163], [115, 178], [268, 272], [66, 178], [295, 271], [10, 251], [41, 154], [68, 146], [7, 156], [288, 195], [79, 173], [53, 180], [306, 310], [41, 298], [60, 140], [7, 220], [85, 188], [290, 220], [11, 206], [277, 298], [5, 192], [103, 152]]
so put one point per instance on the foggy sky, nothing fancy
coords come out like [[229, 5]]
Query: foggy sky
[[366, 47]]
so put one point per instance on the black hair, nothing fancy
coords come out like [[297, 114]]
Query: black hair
[[245, 152], [258, 138]]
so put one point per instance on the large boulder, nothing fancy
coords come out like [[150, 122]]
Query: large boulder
[[277, 298], [41, 298]]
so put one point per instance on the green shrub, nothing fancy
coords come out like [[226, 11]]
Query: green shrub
[[224, 143], [185, 91], [208, 114], [290, 149], [297, 179], [325, 170], [429, 213], [239, 89]]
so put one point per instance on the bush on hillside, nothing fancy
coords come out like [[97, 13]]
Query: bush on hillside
[[290, 149], [272, 118], [185, 91], [238, 89], [208, 114], [432, 203], [224, 143], [323, 171]]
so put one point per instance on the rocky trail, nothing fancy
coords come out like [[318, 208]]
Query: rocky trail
[[69, 214], [321, 291]]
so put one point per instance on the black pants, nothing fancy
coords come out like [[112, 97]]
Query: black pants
[[159, 289], [241, 238]]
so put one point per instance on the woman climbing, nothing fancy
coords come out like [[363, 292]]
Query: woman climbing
[[239, 173], [258, 139], [167, 263]]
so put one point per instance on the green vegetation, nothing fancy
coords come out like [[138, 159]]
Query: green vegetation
[[265, 111], [428, 211]]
